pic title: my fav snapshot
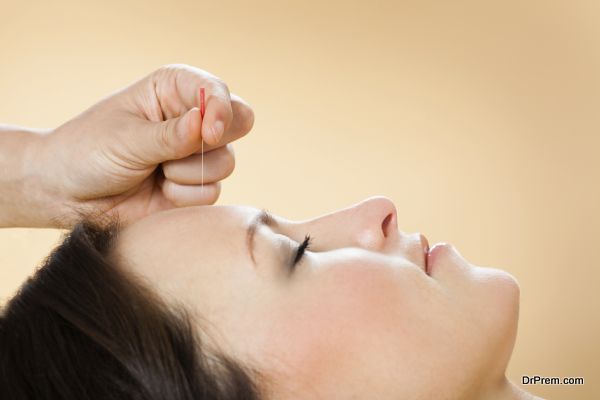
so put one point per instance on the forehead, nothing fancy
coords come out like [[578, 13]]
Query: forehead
[[178, 249], [183, 235], [189, 220]]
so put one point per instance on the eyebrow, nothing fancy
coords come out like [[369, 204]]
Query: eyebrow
[[262, 218]]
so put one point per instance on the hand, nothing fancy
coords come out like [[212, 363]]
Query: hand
[[105, 160]]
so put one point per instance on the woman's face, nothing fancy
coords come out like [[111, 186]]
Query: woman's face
[[357, 317]]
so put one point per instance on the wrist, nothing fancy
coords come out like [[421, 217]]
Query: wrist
[[41, 182], [25, 198]]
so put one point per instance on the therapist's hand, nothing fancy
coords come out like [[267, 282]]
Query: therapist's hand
[[137, 151]]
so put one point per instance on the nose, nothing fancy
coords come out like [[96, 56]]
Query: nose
[[369, 224], [376, 220]]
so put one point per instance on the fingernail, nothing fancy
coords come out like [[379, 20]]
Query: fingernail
[[218, 130]]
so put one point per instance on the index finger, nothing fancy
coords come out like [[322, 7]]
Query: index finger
[[218, 115], [242, 123], [177, 87]]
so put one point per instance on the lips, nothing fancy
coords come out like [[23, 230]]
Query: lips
[[425, 247]]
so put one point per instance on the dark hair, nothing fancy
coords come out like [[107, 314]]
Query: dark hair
[[80, 329]]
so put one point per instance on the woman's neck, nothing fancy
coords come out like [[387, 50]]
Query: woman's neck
[[507, 390]]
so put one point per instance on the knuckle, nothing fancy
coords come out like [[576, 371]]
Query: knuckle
[[221, 89], [248, 117], [228, 159], [163, 136], [171, 67], [168, 189], [167, 168], [164, 70], [220, 82], [244, 114], [214, 195], [169, 72]]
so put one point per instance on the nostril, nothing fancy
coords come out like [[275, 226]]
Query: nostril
[[385, 224]]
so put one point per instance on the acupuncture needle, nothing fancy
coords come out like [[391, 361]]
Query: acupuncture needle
[[202, 106]]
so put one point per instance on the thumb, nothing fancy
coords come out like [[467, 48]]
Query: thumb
[[173, 139]]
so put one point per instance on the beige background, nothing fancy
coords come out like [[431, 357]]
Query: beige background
[[481, 122]]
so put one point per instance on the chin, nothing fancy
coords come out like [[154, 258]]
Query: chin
[[508, 286], [503, 294]]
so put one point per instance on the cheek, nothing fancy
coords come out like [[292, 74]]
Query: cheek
[[336, 318]]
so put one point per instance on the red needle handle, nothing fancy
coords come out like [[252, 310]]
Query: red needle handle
[[202, 103]]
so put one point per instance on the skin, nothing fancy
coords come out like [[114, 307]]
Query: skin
[[358, 317], [135, 152]]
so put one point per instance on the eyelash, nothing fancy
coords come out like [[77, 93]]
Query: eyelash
[[305, 245]]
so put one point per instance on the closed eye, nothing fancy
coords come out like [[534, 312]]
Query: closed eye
[[305, 245]]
